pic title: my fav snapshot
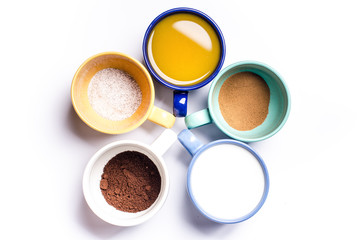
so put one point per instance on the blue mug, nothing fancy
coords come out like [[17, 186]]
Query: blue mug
[[227, 181], [173, 51]]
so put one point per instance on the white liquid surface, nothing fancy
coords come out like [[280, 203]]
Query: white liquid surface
[[227, 181]]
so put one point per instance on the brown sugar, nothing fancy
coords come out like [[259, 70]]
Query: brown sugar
[[244, 100], [130, 182]]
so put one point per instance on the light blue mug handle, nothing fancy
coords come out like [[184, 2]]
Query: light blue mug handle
[[189, 141], [180, 103], [198, 119]]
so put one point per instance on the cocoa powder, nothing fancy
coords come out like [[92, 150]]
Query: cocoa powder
[[130, 182], [244, 100]]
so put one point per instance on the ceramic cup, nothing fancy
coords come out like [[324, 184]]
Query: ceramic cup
[[146, 110], [94, 169], [279, 104], [181, 91], [227, 180]]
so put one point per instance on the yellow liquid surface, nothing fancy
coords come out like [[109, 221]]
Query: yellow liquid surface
[[183, 49]]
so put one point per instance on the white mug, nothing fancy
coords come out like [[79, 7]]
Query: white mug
[[94, 169]]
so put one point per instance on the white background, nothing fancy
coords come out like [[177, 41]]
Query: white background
[[314, 162]]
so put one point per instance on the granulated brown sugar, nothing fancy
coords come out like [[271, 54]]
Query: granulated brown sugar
[[130, 182], [244, 100]]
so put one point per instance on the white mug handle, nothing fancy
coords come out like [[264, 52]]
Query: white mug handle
[[164, 141]]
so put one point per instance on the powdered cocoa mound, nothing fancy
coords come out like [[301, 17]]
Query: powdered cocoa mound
[[130, 182]]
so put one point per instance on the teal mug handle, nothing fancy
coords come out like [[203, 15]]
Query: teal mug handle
[[198, 119]]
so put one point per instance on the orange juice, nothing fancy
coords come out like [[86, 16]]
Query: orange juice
[[183, 49]]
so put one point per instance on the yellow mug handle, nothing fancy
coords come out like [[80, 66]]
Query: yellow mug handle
[[161, 117]]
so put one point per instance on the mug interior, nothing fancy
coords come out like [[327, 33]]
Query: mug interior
[[279, 104], [198, 14], [83, 77], [93, 194], [227, 181]]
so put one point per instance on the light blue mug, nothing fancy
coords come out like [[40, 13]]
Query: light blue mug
[[227, 181], [278, 110]]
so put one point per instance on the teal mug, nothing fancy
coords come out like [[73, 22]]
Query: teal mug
[[278, 108]]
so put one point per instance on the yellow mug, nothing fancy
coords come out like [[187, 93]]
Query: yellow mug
[[146, 110]]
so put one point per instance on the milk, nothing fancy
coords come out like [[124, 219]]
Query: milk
[[226, 181]]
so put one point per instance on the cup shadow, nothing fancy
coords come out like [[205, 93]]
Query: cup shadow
[[205, 225], [163, 95], [96, 225], [209, 133], [199, 221], [82, 130]]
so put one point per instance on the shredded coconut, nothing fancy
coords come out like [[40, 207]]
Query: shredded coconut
[[114, 94]]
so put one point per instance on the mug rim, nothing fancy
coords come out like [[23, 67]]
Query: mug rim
[[134, 61], [212, 24], [97, 210], [213, 111], [265, 173]]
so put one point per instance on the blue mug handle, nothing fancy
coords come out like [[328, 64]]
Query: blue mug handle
[[189, 141], [180, 103]]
